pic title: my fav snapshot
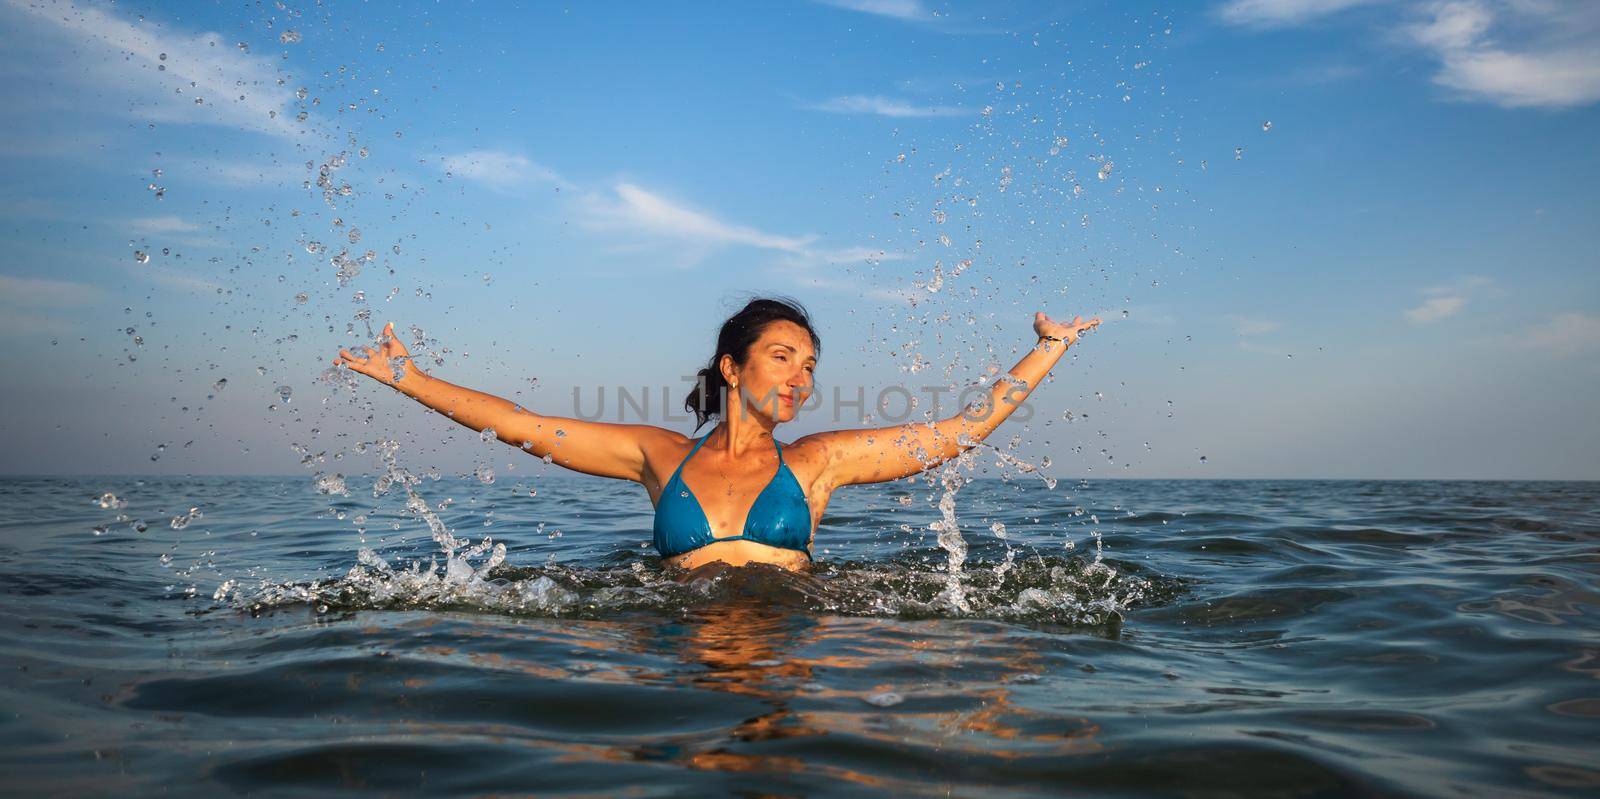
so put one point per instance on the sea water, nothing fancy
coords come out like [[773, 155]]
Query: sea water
[[212, 635]]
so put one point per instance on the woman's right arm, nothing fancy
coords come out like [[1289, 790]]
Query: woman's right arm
[[597, 448]]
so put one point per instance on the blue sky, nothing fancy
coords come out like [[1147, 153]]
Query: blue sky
[[1391, 281]]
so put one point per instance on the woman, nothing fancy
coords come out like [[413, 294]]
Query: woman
[[757, 500]]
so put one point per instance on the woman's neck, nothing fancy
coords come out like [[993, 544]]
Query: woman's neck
[[741, 433]]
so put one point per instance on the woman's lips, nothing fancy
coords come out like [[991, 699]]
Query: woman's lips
[[789, 398]]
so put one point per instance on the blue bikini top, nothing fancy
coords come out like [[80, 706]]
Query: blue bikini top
[[780, 516]]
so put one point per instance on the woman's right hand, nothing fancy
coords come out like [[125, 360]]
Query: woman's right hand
[[389, 364]]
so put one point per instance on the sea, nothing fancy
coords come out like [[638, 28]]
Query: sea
[[961, 634]]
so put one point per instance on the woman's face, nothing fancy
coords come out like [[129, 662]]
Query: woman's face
[[778, 376]]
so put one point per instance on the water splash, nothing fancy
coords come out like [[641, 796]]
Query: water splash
[[1027, 587]]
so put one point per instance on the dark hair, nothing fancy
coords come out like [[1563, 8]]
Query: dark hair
[[738, 334]]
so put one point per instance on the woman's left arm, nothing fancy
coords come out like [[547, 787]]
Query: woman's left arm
[[890, 453]]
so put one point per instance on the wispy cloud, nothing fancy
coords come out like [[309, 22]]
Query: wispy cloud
[[1513, 53], [33, 292], [173, 278], [898, 9], [162, 75], [1446, 300], [630, 207], [883, 106], [857, 287], [1554, 63], [237, 173], [1282, 13], [1566, 334], [1312, 75], [26, 304], [157, 225], [639, 219], [859, 255], [1435, 308], [498, 169], [1247, 326]]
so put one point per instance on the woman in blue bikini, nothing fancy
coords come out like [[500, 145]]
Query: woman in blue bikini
[[757, 501]]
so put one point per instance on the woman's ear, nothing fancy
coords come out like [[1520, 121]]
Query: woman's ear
[[730, 372]]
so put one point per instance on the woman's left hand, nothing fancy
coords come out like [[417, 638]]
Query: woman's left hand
[[1045, 326]]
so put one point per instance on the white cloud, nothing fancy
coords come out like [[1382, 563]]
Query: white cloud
[[15, 323], [157, 225], [498, 169], [859, 255], [883, 106], [634, 208], [32, 292], [1566, 334], [26, 302], [157, 74], [858, 287], [1446, 300], [1246, 326], [898, 9], [1554, 63], [1282, 13], [1436, 308], [237, 173], [174, 278], [1513, 53], [695, 234]]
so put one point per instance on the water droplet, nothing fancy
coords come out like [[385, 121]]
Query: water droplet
[[141, 256], [289, 37], [180, 522], [302, 298], [487, 434], [1238, 153], [284, 392], [1202, 459], [219, 385], [163, 56], [884, 699], [1266, 126]]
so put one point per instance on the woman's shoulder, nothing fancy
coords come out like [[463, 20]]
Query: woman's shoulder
[[813, 448]]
